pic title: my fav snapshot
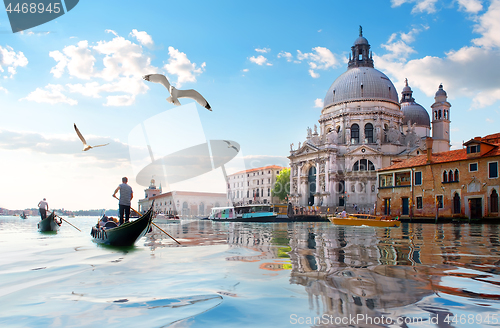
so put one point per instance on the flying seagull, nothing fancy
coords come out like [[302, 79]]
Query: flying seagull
[[175, 93], [230, 145], [85, 146]]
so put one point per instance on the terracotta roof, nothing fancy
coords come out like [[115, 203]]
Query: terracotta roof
[[444, 157], [269, 167]]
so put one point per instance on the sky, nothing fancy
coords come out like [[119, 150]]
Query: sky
[[263, 66]]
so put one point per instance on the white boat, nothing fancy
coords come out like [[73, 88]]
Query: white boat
[[247, 213]]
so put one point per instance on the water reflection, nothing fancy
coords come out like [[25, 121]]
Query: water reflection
[[421, 273]]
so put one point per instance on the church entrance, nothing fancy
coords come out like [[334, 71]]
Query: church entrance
[[476, 208], [311, 182]]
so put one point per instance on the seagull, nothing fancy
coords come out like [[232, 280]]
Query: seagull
[[85, 146], [175, 93], [229, 145]]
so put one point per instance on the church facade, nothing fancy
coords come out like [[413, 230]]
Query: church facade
[[363, 127]]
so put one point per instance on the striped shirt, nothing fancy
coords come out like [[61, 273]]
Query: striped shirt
[[125, 194]]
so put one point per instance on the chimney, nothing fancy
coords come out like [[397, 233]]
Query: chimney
[[428, 143]]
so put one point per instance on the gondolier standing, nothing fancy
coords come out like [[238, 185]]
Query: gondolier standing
[[43, 207], [126, 195]]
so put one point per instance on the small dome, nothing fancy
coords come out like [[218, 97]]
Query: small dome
[[361, 40], [441, 92], [415, 113]]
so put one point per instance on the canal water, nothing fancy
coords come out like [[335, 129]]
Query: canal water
[[251, 275]]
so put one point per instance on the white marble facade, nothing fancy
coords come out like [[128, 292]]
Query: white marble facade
[[363, 127]]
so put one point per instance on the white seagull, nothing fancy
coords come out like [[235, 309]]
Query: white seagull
[[85, 145], [230, 145], [175, 93]]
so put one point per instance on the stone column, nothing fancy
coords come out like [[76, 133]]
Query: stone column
[[362, 131], [327, 180], [316, 197]]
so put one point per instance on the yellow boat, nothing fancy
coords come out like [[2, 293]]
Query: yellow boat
[[365, 219]]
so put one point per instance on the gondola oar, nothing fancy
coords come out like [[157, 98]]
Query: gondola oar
[[156, 226], [68, 223]]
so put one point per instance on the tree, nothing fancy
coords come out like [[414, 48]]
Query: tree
[[281, 188]]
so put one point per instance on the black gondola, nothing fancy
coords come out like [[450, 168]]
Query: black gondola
[[126, 234], [23, 216], [49, 223]]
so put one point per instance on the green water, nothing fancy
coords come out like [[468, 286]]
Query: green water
[[251, 275]]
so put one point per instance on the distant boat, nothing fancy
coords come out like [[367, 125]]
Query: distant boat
[[49, 223], [166, 218], [247, 213], [23, 216], [124, 235], [366, 220]]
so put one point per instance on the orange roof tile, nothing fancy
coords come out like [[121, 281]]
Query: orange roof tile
[[444, 157], [260, 168]]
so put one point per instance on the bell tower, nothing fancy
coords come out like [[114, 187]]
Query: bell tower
[[441, 122], [361, 55]]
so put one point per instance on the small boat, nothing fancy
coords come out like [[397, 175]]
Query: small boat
[[123, 235], [166, 218], [49, 223], [366, 220], [23, 216], [247, 213]]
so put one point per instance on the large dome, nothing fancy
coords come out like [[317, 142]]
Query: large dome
[[361, 84], [415, 113]]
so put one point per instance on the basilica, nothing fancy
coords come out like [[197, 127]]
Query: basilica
[[363, 127]]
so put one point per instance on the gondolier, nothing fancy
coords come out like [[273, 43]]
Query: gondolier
[[125, 201], [43, 207]]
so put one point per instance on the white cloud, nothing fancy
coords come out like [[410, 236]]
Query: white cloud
[[288, 56], [245, 70], [10, 59], [470, 6], [180, 65], [123, 63], [115, 153], [52, 94], [78, 60], [463, 72], [4, 90], [260, 60], [320, 58], [421, 6], [318, 103], [263, 50], [144, 38], [488, 26], [489, 120]]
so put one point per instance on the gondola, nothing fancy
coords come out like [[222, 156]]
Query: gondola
[[23, 216], [49, 223], [124, 235]]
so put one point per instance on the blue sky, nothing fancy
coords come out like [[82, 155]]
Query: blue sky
[[264, 67]]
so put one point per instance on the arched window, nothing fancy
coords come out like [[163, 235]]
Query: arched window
[[445, 177], [354, 134], [439, 114], [450, 176], [456, 204], [456, 175], [494, 201], [386, 130], [369, 132], [363, 165]]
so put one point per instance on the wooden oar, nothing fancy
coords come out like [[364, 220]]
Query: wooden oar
[[156, 226], [68, 223]]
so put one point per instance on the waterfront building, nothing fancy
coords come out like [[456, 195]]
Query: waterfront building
[[363, 127], [460, 183], [253, 185], [186, 204]]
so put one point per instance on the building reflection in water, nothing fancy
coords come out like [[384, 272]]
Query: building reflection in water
[[375, 272]]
